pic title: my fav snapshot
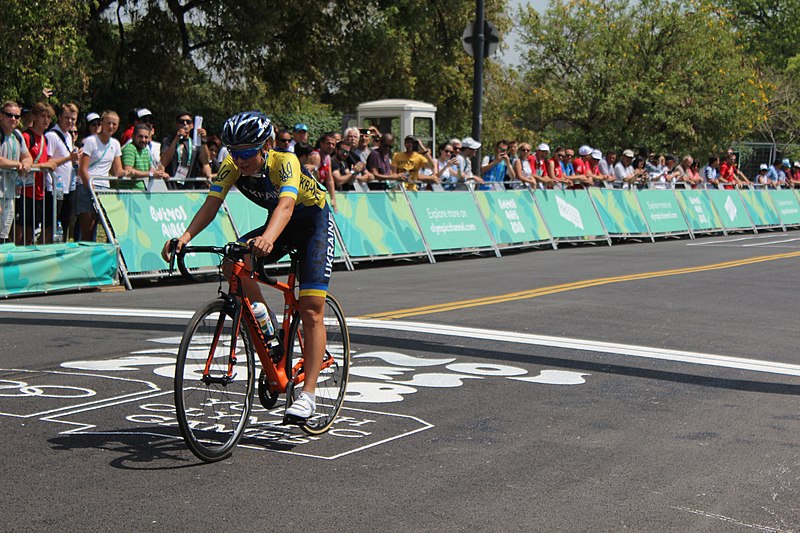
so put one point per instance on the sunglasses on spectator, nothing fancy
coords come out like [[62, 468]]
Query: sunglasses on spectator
[[184, 121], [524, 149], [11, 115], [284, 139], [244, 153], [447, 151], [559, 155], [344, 152]]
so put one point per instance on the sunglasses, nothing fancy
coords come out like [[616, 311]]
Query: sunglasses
[[524, 150], [11, 115], [245, 153], [184, 121], [457, 148], [447, 151], [282, 140]]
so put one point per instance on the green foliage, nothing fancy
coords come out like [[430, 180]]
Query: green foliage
[[670, 75], [42, 46]]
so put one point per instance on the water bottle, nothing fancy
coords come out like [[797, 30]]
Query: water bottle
[[262, 316], [59, 189], [59, 235]]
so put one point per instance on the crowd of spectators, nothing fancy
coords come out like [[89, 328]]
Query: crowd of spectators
[[68, 162]]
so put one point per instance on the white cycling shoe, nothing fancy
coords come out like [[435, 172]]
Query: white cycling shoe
[[303, 408]]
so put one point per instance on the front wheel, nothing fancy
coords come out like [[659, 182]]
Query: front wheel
[[332, 382], [214, 377]]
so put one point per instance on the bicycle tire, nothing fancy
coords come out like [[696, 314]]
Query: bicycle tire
[[332, 382], [213, 415]]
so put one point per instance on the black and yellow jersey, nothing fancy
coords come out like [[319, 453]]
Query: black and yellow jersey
[[281, 176]]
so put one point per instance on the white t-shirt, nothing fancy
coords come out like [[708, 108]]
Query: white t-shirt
[[56, 149], [101, 158]]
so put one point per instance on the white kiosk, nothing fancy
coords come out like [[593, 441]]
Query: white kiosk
[[400, 118]]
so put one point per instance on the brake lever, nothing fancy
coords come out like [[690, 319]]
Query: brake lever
[[173, 244]]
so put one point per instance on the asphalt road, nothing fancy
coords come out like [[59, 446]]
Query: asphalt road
[[640, 387]]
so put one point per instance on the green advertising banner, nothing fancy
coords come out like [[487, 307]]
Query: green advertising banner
[[512, 216], [619, 211], [51, 267], [143, 222], [377, 224], [662, 212], [245, 214], [699, 209], [787, 205], [759, 205], [450, 221], [730, 207], [570, 214]]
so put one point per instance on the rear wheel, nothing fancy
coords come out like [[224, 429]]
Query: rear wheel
[[332, 380], [212, 408]]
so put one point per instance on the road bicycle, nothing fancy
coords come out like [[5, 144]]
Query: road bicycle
[[215, 369]]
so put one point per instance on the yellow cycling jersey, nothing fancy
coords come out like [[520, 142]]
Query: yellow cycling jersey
[[281, 176]]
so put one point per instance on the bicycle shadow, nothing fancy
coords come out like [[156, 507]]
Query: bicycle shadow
[[138, 449]]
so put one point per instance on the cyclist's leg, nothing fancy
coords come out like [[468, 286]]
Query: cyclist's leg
[[312, 313], [316, 257]]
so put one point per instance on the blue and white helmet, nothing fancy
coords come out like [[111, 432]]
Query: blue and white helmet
[[247, 128]]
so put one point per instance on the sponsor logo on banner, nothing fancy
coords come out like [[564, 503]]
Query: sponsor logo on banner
[[730, 208], [569, 212]]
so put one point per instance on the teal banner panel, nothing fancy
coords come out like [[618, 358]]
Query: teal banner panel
[[143, 222], [450, 221], [570, 214], [512, 216], [699, 210], [759, 205], [52, 267], [787, 205], [731, 209], [377, 224], [245, 214], [619, 211], [662, 212]]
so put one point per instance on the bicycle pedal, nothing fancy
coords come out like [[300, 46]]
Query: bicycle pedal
[[289, 420]]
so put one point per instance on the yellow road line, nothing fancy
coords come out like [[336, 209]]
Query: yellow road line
[[553, 289]]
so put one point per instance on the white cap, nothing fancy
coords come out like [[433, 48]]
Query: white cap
[[797, 163], [469, 142], [92, 116], [585, 150], [544, 147], [144, 112], [597, 154], [763, 166], [628, 153]]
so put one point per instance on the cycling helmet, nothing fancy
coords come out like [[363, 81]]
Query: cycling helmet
[[247, 128]]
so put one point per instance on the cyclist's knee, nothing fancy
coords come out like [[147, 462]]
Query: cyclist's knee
[[312, 309]]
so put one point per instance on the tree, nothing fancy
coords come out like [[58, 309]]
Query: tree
[[666, 74], [302, 55], [42, 46]]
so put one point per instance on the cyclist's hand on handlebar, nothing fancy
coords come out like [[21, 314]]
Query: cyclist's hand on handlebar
[[261, 246], [166, 251]]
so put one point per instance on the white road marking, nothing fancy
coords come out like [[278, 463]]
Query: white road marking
[[770, 243], [449, 330], [733, 520]]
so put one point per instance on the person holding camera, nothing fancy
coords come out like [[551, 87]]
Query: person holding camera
[[409, 163], [495, 168], [184, 160]]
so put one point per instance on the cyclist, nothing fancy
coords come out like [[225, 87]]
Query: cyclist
[[299, 218]]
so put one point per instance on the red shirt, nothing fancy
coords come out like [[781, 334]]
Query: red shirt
[[127, 136], [581, 166], [37, 145], [727, 173]]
